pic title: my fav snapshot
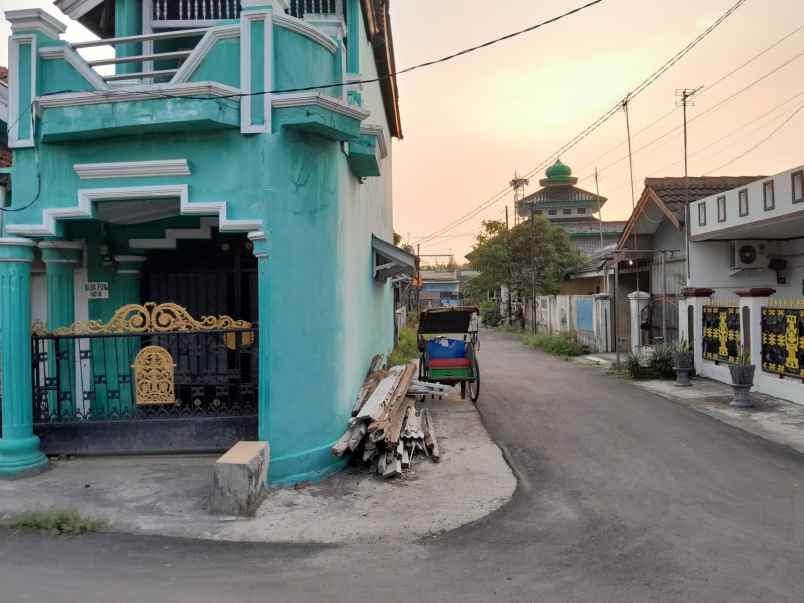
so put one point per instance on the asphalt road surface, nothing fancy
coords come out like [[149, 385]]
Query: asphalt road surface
[[623, 497]]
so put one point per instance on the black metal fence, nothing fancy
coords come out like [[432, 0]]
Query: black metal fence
[[79, 378]]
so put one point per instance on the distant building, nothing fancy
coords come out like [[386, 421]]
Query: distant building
[[571, 208], [443, 287]]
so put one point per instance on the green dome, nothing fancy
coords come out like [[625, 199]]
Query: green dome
[[558, 171]]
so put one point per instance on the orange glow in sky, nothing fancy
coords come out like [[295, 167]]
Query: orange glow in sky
[[469, 124]]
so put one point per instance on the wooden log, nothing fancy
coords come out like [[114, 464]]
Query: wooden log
[[373, 378], [430, 439], [381, 396], [397, 420], [342, 445], [357, 434], [393, 466]]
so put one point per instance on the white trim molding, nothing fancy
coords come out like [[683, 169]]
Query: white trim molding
[[304, 28], [202, 49], [4, 101], [132, 169], [282, 5], [174, 235], [246, 19], [87, 197], [257, 237], [68, 54], [306, 99], [130, 258], [15, 111], [35, 19], [134, 93], [60, 245], [379, 133], [75, 9]]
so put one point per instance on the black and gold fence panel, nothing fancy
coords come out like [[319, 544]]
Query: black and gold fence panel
[[783, 341], [721, 334]]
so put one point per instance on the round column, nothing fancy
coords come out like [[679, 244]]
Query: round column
[[260, 243], [19, 447]]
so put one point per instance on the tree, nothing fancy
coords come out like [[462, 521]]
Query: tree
[[530, 258]]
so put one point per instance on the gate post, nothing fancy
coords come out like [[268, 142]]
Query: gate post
[[19, 447], [260, 242], [638, 301], [60, 258]]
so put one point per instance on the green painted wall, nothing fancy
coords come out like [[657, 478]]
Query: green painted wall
[[325, 314]]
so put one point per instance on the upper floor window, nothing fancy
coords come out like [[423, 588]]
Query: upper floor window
[[539, 212], [743, 202], [721, 208], [768, 195], [552, 212], [567, 212], [581, 210], [702, 213], [798, 186]]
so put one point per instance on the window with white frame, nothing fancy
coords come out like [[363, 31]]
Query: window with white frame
[[702, 213], [798, 186], [742, 196], [768, 195], [721, 208]]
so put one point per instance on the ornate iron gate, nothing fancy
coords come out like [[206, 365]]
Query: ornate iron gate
[[152, 379]]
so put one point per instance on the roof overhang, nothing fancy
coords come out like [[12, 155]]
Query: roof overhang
[[649, 213], [778, 228], [390, 261]]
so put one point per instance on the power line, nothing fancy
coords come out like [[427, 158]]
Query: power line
[[760, 143], [702, 114], [599, 121], [426, 64], [707, 89]]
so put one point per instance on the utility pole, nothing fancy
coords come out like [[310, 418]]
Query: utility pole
[[631, 172], [686, 94]]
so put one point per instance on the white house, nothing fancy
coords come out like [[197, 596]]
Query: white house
[[746, 284]]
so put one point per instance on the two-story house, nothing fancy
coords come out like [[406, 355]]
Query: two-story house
[[201, 223]]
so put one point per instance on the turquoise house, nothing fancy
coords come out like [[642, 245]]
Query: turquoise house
[[195, 240]]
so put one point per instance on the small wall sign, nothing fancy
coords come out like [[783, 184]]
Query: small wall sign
[[97, 290]]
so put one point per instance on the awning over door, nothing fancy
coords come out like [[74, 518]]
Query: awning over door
[[390, 261]]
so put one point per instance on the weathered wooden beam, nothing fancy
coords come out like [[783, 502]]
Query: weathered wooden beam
[[430, 439]]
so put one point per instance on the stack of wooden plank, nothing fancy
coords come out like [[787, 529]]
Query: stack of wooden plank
[[387, 432]]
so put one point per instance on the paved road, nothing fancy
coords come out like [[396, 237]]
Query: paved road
[[624, 497]]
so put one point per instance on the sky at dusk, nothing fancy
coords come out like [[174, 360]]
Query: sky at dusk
[[470, 123]]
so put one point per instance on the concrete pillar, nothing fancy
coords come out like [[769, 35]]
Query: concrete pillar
[[638, 301], [264, 424], [751, 303], [127, 283], [61, 259], [19, 447], [695, 298], [602, 322]]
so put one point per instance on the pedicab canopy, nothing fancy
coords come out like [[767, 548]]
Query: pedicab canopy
[[447, 320]]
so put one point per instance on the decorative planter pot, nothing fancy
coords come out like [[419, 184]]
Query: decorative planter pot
[[742, 380], [684, 362]]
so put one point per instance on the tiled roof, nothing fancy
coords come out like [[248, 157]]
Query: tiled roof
[[3, 74], [672, 192]]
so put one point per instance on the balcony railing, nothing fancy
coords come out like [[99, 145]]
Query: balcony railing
[[187, 13]]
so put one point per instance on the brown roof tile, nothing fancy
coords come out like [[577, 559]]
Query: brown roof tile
[[672, 192]]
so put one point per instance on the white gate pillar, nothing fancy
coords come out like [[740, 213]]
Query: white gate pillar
[[638, 301]]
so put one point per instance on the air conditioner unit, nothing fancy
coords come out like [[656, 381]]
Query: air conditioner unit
[[749, 255]]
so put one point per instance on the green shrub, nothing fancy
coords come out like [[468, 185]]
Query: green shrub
[[634, 364], [55, 523], [662, 363], [406, 348], [490, 314], [559, 345]]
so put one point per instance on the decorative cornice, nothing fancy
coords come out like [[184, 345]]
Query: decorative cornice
[[201, 50], [379, 133], [132, 169], [305, 99], [174, 235], [697, 292], [135, 93], [68, 54], [756, 292], [35, 19], [17, 241], [75, 9], [87, 197], [301, 27], [60, 245]]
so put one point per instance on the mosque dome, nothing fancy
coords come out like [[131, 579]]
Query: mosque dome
[[558, 174]]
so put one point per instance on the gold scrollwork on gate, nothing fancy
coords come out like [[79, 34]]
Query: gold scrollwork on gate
[[154, 376], [157, 318]]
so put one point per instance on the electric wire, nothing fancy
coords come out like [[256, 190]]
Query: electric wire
[[595, 124]]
